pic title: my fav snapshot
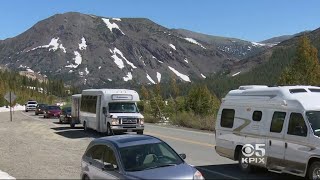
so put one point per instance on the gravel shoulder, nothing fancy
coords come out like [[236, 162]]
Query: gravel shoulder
[[31, 147]]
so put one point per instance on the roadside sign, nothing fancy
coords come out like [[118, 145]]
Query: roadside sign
[[10, 97]]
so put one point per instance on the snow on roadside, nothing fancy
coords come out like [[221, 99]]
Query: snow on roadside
[[158, 77], [18, 107], [4, 175]]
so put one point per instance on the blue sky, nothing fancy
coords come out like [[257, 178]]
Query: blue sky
[[253, 20]]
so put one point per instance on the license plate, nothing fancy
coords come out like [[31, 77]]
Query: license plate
[[129, 130]]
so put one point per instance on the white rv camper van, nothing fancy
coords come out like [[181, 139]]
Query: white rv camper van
[[277, 128], [75, 110], [111, 110]]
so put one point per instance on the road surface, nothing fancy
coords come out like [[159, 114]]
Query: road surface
[[34, 147]]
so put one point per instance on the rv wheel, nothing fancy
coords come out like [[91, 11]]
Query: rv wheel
[[244, 166], [314, 170]]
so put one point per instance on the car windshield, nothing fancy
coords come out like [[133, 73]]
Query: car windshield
[[32, 102], [123, 107], [53, 108], [148, 156], [314, 120], [42, 105]]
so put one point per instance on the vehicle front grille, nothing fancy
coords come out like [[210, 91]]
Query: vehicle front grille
[[129, 121]]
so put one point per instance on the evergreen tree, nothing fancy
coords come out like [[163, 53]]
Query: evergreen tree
[[305, 70]]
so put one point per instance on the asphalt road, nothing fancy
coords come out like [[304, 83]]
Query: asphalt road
[[197, 145]]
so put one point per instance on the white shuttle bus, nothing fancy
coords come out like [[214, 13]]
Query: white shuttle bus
[[111, 110], [277, 128]]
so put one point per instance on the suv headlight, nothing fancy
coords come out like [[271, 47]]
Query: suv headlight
[[197, 175], [114, 121], [141, 121]]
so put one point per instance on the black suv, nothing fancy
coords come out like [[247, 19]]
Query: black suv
[[40, 109]]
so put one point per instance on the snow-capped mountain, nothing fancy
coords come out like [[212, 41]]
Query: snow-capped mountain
[[100, 51]]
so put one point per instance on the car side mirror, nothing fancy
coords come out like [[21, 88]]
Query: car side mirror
[[183, 156], [108, 167]]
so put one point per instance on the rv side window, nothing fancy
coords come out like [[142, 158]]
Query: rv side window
[[297, 126], [277, 122], [227, 118], [256, 116]]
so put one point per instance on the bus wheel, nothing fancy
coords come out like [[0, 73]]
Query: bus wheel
[[314, 170], [109, 130]]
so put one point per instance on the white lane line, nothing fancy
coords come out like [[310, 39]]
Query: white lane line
[[177, 129], [38, 119], [219, 173], [4, 175]]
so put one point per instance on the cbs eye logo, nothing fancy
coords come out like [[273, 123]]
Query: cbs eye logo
[[249, 150]]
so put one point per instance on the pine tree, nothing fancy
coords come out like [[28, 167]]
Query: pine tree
[[305, 70]]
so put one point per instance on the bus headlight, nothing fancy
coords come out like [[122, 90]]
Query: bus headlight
[[114, 121], [141, 121]]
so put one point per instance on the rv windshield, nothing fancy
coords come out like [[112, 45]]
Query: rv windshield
[[123, 107], [314, 120]]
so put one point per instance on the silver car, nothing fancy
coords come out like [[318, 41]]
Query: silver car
[[134, 157]]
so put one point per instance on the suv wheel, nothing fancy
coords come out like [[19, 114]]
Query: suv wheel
[[314, 170]]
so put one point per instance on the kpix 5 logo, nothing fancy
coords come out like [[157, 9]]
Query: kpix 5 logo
[[253, 154]]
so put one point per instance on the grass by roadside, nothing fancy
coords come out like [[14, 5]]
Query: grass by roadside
[[187, 119]]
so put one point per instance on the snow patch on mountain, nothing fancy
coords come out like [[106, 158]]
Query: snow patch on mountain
[[195, 42], [158, 77], [110, 80], [116, 19], [118, 60], [235, 74], [128, 77], [111, 25], [77, 60], [150, 79], [203, 76], [53, 46], [257, 44], [99, 67], [182, 76], [186, 60], [83, 44], [87, 71], [173, 46], [30, 70]]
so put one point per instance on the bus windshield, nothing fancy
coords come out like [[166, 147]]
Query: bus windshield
[[123, 107], [314, 120]]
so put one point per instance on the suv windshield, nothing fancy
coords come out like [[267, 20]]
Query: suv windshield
[[123, 107], [32, 102], [314, 120], [148, 156]]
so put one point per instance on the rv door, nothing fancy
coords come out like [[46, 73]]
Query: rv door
[[275, 141]]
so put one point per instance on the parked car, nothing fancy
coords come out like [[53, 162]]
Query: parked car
[[40, 109], [52, 111], [31, 105], [134, 157], [65, 116]]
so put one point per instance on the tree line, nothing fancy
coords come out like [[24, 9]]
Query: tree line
[[26, 88]]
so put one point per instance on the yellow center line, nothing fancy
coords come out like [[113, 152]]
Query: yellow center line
[[180, 139]]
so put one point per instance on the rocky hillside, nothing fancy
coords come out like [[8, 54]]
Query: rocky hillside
[[236, 48], [100, 52], [280, 55]]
